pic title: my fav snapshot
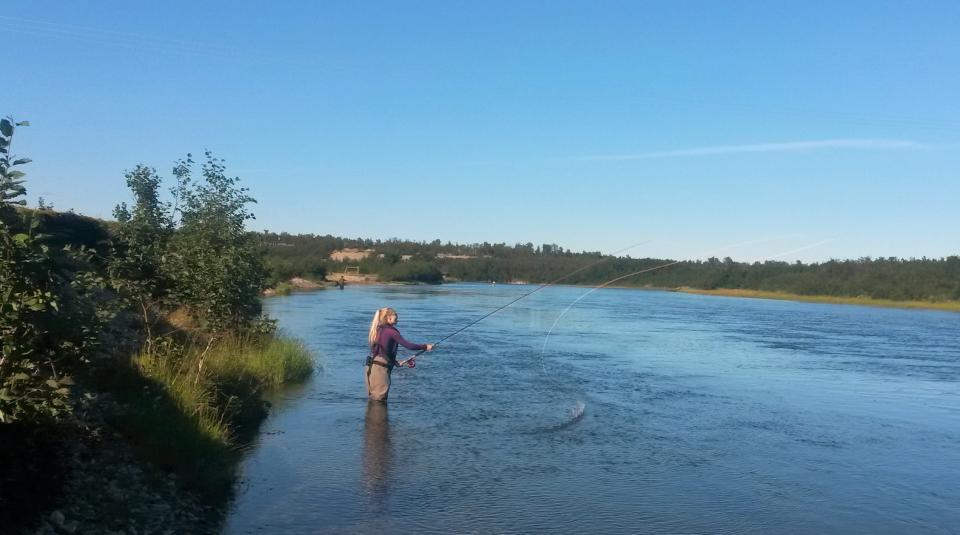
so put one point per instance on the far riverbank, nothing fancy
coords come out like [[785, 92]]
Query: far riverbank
[[299, 284], [951, 306]]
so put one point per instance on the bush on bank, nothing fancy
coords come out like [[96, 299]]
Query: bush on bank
[[78, 297]]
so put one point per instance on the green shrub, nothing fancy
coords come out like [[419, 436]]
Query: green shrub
[[216, 266], [50, 317]]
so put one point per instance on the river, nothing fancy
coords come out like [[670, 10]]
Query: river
[[642, 411]]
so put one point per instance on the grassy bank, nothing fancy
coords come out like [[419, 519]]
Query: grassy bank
[[296, 284], [953, 306], [187, 406]]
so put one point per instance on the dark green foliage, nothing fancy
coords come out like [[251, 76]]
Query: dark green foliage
[[286, 259], [140, 243], [215, 265], [67, 228], [50, 313], [412, 271], [195, 252]]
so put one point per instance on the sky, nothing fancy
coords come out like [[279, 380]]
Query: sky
[[756, 130]]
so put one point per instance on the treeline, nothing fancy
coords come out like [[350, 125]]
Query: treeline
[[887, 278], [159, 309], [881, 278]]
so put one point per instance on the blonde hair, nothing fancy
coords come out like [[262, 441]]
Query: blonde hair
[[379, 320]]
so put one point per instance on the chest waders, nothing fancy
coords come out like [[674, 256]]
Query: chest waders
[[378, 382]]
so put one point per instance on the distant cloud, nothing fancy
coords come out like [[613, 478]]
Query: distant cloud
[[789, 146]]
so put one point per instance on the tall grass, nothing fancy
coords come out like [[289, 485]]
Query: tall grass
[[192, 403], [268, 363]]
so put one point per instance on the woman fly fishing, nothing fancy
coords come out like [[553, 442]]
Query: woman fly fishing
[[384, 339]]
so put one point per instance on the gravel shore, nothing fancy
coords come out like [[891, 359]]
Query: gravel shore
[[109, 491]]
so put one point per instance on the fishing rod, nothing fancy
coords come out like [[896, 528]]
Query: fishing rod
[[409, 362]]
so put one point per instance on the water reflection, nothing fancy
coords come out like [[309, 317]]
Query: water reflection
[[377, 451]]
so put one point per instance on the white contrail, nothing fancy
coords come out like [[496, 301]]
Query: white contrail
[[789, 146], [804, 248], [139, 41]]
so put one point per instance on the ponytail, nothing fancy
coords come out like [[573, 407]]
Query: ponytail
[[379, 320]]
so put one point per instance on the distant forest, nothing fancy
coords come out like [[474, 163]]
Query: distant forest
[[403, 260]]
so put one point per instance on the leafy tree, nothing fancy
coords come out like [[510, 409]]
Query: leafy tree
[[215, 265], [140, 244]]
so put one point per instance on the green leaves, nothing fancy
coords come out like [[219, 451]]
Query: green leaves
[[215, 266], [10, 184], [50, 316]]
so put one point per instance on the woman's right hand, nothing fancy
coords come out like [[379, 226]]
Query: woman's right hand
[[429, 347]]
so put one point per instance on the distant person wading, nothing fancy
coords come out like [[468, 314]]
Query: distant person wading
[[384, 339]]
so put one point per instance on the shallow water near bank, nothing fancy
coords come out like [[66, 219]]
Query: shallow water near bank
[[648, 411]]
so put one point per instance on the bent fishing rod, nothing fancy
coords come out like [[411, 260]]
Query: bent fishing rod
[[409, 362]]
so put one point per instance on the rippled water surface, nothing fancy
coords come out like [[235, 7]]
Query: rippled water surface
[[643, 411]]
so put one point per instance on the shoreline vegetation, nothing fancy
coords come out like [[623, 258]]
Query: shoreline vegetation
[[950, 306], [213, 402], [889, 281], [135, 362]]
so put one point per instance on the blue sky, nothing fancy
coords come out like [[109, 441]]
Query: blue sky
[[795, 130]]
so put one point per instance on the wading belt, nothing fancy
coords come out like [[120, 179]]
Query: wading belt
[[370, 362]]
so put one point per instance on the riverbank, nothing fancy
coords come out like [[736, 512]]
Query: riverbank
[[951, 306], [296, 284], [300, 284], [154, 439]]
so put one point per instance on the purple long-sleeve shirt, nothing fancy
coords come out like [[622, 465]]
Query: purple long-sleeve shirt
[[387, 342]]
